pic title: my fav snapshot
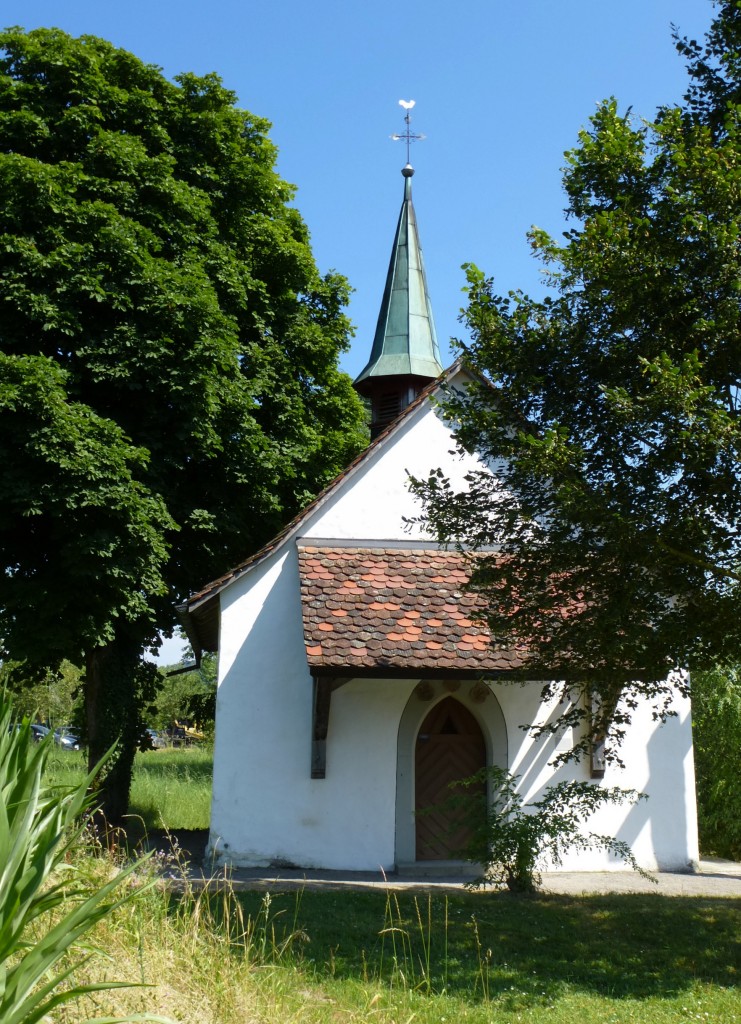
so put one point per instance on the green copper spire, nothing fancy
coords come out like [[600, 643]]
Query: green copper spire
[[405, 343]]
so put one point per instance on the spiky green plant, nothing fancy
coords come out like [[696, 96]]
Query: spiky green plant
[[45, 908]]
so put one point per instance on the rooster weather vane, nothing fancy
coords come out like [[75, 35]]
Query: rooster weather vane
[[407, 135]]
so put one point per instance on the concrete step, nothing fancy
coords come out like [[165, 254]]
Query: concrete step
[[439, 869]]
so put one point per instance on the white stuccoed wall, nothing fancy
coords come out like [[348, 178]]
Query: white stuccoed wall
[[267, 809], [661, 830], [373, 507]]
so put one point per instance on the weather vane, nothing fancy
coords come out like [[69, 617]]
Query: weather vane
[[407, 135]]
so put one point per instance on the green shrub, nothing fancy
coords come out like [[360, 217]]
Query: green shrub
[[511, 838], [716, 730]]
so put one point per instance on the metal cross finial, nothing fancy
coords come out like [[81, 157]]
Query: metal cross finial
[[408, 135]]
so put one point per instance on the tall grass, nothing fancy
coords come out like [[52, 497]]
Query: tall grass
[[171, 788], [340, 957], [332, 957]]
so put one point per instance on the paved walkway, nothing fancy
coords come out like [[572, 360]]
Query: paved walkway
[[713, 879]]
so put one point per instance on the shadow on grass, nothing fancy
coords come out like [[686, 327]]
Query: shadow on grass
[[520, 951]]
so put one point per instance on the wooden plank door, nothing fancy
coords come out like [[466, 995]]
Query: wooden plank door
[[450, 746]]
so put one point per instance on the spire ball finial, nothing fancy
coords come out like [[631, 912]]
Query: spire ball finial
[[407, 171]]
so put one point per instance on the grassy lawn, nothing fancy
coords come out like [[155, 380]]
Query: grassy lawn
[[333, 957], [517, 951], [171, 788], [498, 957]]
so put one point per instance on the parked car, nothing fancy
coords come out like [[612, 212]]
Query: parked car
[[37, 731], [153, 740], [182, 733], [67, 738]]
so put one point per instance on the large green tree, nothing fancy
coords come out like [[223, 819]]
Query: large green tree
[[611, 408], [170, 393]]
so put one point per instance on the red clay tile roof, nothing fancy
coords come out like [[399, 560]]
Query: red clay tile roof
[[400, 609], [216, 586]]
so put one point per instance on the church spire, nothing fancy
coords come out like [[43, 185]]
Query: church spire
[[405, 354]]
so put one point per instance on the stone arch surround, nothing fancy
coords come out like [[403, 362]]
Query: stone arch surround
[[479, 698]]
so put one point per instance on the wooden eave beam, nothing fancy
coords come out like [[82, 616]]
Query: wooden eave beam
[[324, 687]]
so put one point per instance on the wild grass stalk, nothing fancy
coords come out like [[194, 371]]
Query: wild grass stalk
[[445, 947], [326, 957], [320, 958], [483, 959], [424, 930]]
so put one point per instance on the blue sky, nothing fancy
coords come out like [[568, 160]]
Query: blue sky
[[501, 90]]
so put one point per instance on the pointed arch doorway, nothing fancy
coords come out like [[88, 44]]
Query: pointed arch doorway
[[450, 746]]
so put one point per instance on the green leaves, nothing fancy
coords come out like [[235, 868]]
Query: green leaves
[[147, 249], [66, 471], [512, 839], [179, 349], [44, 910], [66, 468], [716, 732], [612, 408]]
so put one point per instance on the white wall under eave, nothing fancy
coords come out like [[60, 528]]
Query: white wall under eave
[[377, 502], [266, 808], [283, 817], [658, 761]]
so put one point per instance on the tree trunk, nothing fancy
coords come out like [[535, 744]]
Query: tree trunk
[[116, 691]]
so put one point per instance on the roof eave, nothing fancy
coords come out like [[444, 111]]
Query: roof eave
[[292, 528]]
